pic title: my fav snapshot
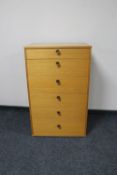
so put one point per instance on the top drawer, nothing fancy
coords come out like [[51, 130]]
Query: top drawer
[[47, 53]]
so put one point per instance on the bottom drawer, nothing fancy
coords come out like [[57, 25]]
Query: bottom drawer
[[68, 123]]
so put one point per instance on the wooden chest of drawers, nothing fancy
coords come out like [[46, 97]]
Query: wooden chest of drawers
[[58, 81]]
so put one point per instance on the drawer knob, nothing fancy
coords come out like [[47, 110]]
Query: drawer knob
[[59, 126], [58, 98], [58, 52], [58, 82], [58, 64], [59, 113]]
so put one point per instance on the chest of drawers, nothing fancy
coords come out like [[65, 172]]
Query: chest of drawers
[[58, 83]]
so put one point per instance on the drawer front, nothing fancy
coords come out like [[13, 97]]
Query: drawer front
[[64, 127], [65, 115], [57, 101], [59, 84], [57, 53], [52, 129], [51, 117], [54, 68]]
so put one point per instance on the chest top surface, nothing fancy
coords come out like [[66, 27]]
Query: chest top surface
[[58, 45]]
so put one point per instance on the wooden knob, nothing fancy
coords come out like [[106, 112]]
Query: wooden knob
[[59, 126], [59, 113], [58, 64], [58, 82], [58, 98], [58, 52]]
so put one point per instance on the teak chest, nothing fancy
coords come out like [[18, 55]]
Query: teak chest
[[58, 85]]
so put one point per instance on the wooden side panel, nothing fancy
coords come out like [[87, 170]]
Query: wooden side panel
[[29, 99]]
